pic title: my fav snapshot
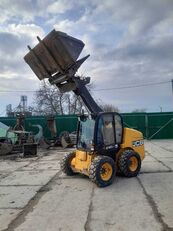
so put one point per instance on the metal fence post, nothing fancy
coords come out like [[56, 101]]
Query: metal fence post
[[146, 126]]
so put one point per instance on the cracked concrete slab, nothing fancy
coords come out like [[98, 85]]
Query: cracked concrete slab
[[10, 166], [149, 158], [28, 177], [16, 197], [52, 157], [158, 149], [65, 207], [154, 166], [160, 188], [162, 154], [168, 163], [43, 165], [3, 174], [169, 159], [6, 216], [75, 203], [164, 144], [122, 206]]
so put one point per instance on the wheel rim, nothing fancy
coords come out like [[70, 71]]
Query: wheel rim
[[133, 163], [106, 171]]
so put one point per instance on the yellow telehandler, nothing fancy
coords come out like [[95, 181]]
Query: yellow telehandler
[[104, 146]]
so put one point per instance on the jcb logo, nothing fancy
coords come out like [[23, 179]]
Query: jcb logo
[[137, 143]]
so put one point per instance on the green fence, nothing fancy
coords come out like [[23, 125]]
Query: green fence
[[152, 125]]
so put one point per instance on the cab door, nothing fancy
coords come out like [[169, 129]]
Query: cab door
[[108, 133]]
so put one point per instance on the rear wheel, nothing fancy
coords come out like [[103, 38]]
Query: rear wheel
[[66, 164], [102, 171], [129, 163], [65, 139]]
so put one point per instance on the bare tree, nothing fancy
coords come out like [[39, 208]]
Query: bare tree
[[49, 100], [75, 104], [109, 107], [139, 110]]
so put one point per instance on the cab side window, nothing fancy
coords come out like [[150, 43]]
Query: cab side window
[[109, 130], [105, 135], [118, 129]]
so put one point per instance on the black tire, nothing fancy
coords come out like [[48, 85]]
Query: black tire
[[96, 171], [66, 164], [64, 138], [125, 163]]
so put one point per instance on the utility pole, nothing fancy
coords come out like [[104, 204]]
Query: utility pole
[[172, 86], [160, 108]]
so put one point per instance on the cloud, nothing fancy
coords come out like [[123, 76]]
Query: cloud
[[129, 42], [13, 46], [60, 6], [16, 10]]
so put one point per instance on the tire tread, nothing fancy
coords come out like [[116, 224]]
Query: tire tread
[[123, 163], [65, 164]]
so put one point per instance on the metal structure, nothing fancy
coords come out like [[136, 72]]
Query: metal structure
[[65, 139], [23, 103], [22, 141], [21, 108], [55, 58], [9, 109], [63, 123], [103, 144]]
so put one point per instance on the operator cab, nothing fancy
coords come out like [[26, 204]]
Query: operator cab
[[101, 133]]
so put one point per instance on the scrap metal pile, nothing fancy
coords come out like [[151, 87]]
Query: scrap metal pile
[[16, 139]]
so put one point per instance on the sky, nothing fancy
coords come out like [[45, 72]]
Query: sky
[[130, 43]]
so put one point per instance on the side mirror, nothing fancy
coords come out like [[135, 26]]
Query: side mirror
[[83, 117]]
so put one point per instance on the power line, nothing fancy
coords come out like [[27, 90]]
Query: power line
[[101, 89], [134, 86], [15, 91]]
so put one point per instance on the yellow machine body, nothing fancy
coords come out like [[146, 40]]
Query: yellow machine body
[[132, 140]]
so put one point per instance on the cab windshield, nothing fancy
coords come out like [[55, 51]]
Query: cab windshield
[[86, 134]]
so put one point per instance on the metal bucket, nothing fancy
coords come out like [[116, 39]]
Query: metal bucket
[[56, 53], [29, 149]]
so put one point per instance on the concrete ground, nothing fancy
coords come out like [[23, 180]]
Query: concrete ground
[[36, 196]]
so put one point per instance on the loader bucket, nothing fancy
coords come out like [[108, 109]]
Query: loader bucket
[[55, 54]]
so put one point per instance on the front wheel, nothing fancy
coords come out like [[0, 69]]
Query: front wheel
[[66, 164], [129, 163], [102, 171]]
